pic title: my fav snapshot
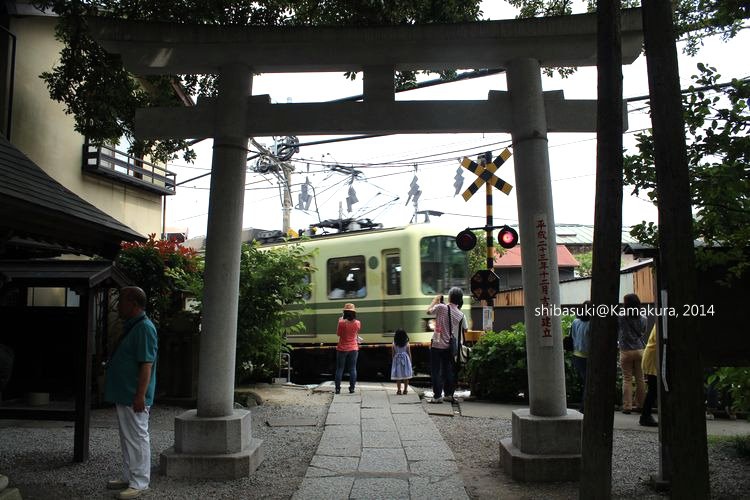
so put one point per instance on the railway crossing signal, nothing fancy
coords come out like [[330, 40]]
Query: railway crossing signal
[[466, 240], [486, 174], [507, 237]]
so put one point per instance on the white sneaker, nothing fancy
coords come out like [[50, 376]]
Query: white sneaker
[[436, 400]]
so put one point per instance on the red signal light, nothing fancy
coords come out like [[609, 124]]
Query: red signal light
[[507, 237], [466, 240]]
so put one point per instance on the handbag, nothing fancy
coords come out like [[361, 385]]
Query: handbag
[[459, 351], [464, 353], [453, 346]]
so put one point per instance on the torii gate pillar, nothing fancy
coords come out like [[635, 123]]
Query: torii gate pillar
[[546, 442], [215, 441]]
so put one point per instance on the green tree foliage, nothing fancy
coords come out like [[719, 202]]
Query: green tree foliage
[[270, 280], [718, 147], [735, 382], [103, 97], [478, 254], [163, 269], [585, 261], [694, 19]]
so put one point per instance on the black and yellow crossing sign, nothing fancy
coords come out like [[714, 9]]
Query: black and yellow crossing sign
[[486, 174]]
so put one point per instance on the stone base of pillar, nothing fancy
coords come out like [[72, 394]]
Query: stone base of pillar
[[212, 448], [543, 449]]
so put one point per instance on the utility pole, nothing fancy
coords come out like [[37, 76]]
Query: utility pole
[[286, 170], [283, 149]]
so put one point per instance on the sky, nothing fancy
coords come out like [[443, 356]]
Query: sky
[[390, 164]]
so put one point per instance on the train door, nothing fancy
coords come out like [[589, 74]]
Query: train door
[[393, 309]]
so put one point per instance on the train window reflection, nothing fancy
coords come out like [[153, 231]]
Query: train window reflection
[[393, 268], [346, 277], [444, 265]]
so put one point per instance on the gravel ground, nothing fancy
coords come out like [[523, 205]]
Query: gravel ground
[[475, 443], [36, 457]]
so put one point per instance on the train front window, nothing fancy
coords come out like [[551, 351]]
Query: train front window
[[346, 277], [444, 265]]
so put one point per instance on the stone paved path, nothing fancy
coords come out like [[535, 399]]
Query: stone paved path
[[379, 445]]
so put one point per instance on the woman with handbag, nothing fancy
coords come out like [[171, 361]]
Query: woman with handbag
[[450, 323]]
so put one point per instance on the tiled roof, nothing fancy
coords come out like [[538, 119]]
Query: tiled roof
[[582, 234], [34, 206], [512, 258]]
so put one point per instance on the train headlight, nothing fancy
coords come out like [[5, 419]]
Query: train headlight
[[430, 324]]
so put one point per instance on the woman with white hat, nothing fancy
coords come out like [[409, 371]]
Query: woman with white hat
[[347, 349]]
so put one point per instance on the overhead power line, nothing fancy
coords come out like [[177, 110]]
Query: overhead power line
[[688, 90]]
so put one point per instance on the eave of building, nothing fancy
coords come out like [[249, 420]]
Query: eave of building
[[34, 209]]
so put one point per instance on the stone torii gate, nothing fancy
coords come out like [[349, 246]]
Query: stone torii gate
[[215, 440]]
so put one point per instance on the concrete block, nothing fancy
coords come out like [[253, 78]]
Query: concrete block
[[436, 469], [372, 439], [208, 466], [375, 488], [334, 465], [451, 487], [382, 460], [216, 435], [536, 435], [525, 467], [324, 488]]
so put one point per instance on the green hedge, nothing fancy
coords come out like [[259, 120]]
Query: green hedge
[[497, 368]]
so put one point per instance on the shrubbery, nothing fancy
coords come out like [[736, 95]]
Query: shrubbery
[[270, 280], [497, 368], [163, 269], [732, 383]]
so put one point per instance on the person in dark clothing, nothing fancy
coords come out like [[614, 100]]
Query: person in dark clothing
[[579, 332]]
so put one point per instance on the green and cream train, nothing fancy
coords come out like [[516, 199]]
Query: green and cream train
[[390, 275]]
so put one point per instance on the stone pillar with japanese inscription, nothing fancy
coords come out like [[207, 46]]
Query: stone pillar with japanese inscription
[[214, 441], [546, 442]]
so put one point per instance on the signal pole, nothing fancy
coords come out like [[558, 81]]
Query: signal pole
[[483, 160]]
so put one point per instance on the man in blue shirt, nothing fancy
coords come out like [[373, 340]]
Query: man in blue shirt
[[130, 384]]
